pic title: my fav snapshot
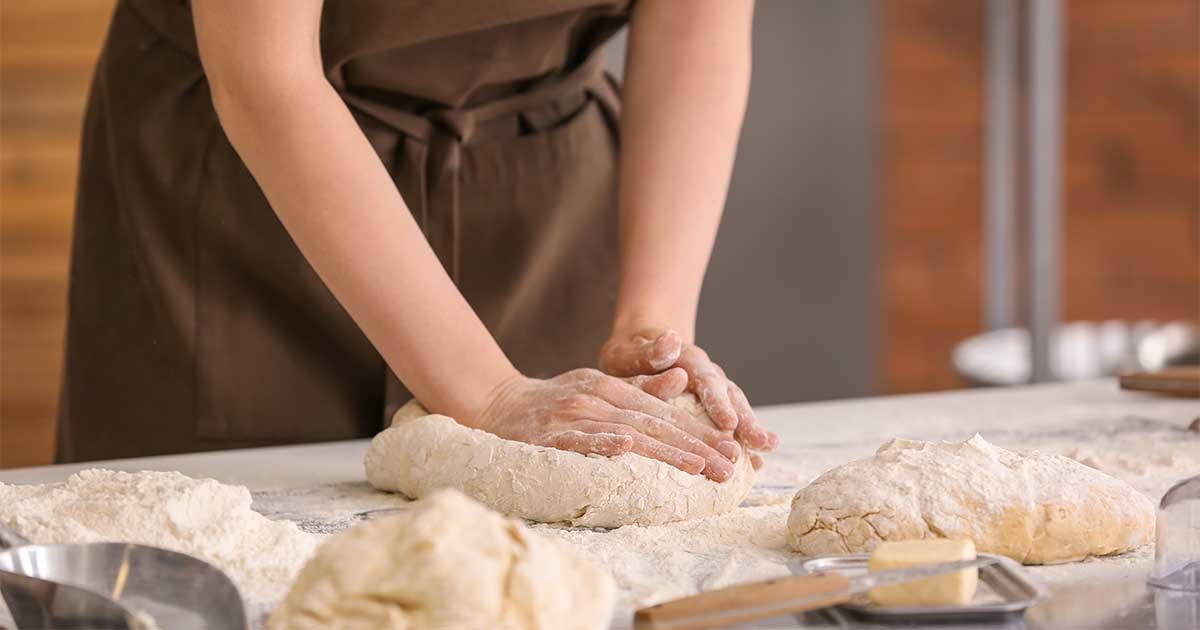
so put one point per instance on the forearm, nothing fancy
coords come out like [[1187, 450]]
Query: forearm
[[339, 204], [686, 82]]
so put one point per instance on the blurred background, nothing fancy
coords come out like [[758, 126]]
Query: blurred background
[[858, 248]]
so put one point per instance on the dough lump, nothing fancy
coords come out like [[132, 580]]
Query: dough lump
[[447, 562], [421, 453], [1037, 508]]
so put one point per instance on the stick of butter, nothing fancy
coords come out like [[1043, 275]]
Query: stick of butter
[[940, 590]]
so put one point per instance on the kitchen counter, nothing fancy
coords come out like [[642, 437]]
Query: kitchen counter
[[1138, 437]]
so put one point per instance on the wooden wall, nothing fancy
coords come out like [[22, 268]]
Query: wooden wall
[[1133, 160], [930, 280], [1132, 193], [47, 50], [1132, 173]]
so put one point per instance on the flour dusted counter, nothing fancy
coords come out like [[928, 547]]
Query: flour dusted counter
[[1135, 437]]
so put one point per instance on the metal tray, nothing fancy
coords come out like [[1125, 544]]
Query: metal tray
[[1003, 594]]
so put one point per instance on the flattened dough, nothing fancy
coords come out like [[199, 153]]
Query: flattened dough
[[423, 452], [1037, 508], [447, 562]]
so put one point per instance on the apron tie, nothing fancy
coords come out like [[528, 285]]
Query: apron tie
[[443, 133]]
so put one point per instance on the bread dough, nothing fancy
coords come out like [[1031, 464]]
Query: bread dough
[[422, 452], [1037, 508], [447, 562]]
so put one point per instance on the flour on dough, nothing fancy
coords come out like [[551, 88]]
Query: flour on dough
[[1038, 508], [421, 453], [447, 562]]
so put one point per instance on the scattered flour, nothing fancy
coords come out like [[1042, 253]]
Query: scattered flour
[[650, 563], [656, 563], [201, 517], [1150, 462]]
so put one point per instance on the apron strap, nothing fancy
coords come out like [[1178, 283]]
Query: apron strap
[[444, 132]]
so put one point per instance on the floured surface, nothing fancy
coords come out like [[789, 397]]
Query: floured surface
[[1136, 438], [201, 517], [660, 562], [652, 564]]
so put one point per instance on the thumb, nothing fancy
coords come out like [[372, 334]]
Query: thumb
[[663, 386], [646, 352]]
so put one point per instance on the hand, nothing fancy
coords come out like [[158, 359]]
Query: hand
[[588, 412], [653, 350]]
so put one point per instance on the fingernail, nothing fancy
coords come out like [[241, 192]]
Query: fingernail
[[694, 462], [722, 470], [659, 363], [730, 449]]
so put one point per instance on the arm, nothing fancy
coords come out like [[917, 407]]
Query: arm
[[686, 82], [337, 201]]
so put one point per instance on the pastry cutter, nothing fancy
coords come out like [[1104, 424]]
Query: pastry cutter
[[174, 589], [781, 596]]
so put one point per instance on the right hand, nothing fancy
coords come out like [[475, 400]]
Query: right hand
[[588, 412]]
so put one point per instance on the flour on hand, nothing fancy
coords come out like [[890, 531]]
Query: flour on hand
[[421, 453]]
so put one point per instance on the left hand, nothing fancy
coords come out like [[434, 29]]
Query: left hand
[[652, 350]]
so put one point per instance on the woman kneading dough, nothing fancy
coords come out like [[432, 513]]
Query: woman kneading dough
[[293, 217]]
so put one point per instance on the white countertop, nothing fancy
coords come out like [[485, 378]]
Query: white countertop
[[867, 422], [322, 487]]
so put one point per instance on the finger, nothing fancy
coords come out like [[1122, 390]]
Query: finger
[[649, 447], [708, 382], [713, 392], [718, 466], [756, 460], [606, 444], [621, 395], [664, 352], [664, 386], [748, 428], [646, 352]]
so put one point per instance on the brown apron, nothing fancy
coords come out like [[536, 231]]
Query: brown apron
[[195, 323]]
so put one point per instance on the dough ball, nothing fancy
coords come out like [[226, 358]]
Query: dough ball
[[447, 562], [1036, 508], [422, 453]]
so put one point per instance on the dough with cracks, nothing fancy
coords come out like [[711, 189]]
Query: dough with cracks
[[1036, 508], [423, 452], [447, 562]]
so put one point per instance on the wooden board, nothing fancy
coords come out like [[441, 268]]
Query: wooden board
[[1178, 381]]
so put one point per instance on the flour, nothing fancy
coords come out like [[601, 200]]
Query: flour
[[201, 517], [655, 563], [1150, 462]]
